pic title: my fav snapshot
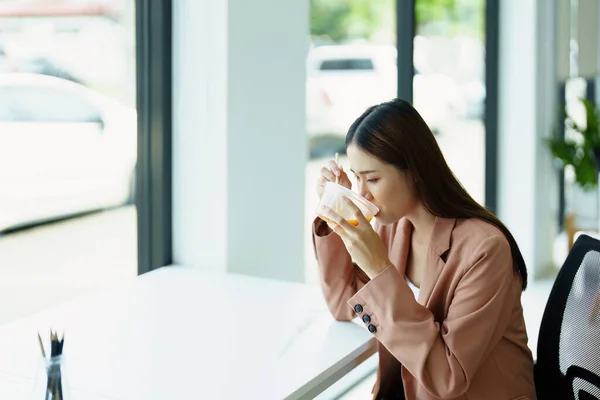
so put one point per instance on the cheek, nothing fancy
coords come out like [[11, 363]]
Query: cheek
[[385, 196], [394, 197]]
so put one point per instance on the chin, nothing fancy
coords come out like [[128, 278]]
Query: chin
[[383, 219]]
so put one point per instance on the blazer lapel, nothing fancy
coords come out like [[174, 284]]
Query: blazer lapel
[[439, 243]]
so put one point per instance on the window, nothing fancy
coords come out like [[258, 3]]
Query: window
[[348, 64], [55, 178]]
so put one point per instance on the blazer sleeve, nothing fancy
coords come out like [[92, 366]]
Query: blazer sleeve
[[444, 356], [339, 277]]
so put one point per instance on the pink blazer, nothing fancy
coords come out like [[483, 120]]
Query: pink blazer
[[463, 338]]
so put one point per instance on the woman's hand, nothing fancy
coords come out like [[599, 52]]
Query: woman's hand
[[329, 173], [362, 242]]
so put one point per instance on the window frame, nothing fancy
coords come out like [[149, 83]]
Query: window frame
[[154, 110]]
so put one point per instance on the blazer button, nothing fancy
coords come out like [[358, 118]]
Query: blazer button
[[366, 319], [372, 328], [358, 308]]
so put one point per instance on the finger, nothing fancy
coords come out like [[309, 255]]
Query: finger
[[345, 180], [343, 174], [344, 177], [332, 216], [327, 174], [321, 185], [335, 168], [321, 181], [358, 215]]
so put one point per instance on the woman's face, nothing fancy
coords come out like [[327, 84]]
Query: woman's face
[[383, 184]]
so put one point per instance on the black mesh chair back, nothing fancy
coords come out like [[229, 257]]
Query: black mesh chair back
[[568, 353]]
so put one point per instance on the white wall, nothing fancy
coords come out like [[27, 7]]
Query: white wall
[[528, 194], [239, 140]]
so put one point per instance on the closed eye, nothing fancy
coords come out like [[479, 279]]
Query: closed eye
[[372, 180]]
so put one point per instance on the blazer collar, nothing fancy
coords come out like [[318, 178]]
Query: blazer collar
[[439, 243], [441, 235]]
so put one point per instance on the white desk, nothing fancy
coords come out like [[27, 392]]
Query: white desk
[[179, 333]]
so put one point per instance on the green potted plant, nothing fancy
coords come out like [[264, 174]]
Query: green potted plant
[[582, 151]]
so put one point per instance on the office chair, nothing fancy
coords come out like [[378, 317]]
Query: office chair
[[568, 352]]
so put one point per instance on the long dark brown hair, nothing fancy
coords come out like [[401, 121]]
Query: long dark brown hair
[[396, 134]]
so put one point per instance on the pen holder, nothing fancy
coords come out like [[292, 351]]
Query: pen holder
[[51, 380]]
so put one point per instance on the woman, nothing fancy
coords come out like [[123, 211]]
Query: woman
[[438, 281]]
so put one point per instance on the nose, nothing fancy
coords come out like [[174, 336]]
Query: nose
[[364, 192]]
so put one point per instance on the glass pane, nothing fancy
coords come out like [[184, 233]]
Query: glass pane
[[351, 66], [449, 83], [68, 147]]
